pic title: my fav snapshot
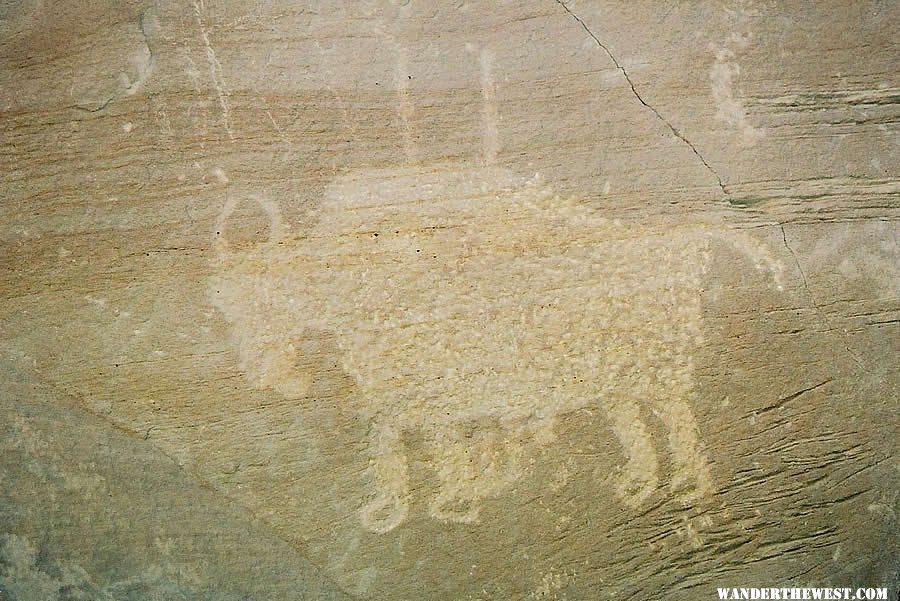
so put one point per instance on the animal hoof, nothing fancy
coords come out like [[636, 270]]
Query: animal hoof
[[454, 509], [636, 487], [384, 513]]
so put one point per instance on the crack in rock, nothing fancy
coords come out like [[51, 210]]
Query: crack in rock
[[637, 95], [812, 301]]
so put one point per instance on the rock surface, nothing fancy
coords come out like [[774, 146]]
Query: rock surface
[[447, 300]]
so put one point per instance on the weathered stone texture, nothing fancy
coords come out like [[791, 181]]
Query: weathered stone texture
[[447, 300]]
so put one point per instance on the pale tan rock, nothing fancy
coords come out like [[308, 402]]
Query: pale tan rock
[[628, 327]]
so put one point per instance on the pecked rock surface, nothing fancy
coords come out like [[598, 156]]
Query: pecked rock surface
[[447, 300]]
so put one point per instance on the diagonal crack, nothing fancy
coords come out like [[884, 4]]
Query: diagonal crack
[[637, 95], [792, 397], [812, 301]]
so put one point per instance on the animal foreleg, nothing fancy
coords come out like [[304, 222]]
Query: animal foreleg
[[389, 470]]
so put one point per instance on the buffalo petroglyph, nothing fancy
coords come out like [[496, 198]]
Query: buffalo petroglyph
[[477, 308]]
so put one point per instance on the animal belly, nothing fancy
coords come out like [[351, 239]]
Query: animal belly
[[520, 357]]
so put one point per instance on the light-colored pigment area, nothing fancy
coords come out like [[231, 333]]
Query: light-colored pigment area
[[404, 300], [463, 298], [475, 307]]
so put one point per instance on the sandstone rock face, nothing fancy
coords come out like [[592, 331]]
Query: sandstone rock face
[[447, 300]]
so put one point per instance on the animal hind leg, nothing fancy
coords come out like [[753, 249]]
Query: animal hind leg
[[639, 477], [692, 478]]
